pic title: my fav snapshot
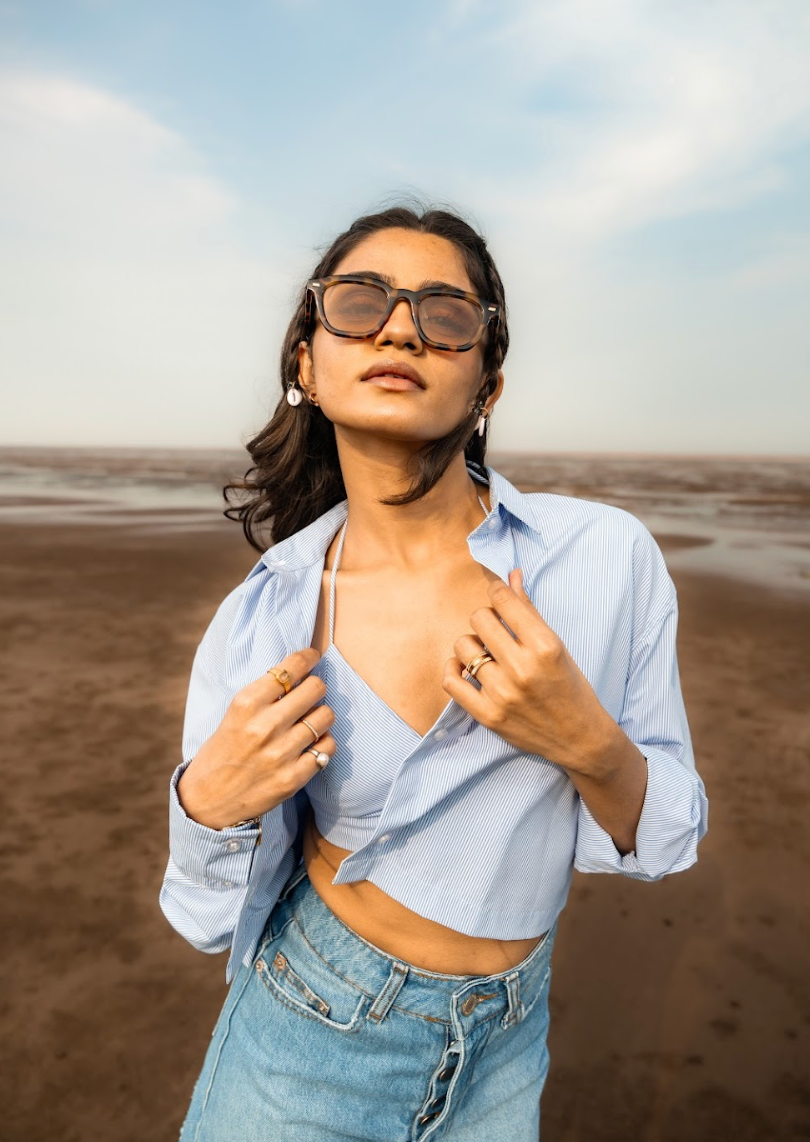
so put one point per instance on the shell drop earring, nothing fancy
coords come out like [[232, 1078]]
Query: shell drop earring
[[294, 395], [482, 419]]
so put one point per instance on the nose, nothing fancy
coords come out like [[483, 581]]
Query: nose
[[400, 329]]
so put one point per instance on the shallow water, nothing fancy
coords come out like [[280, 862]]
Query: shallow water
[[744, 516]]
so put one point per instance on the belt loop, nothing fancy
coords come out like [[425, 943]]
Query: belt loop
[[381, 1005], [515, 1011]]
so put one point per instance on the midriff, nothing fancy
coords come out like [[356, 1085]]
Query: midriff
[[398, 930]]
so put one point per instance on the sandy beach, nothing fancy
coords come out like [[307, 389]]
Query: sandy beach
[[680, 1010]]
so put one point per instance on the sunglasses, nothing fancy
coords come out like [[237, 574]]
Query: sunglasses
[[350, 305]]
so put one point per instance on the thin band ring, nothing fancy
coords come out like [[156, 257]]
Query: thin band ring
[[283, 677], [321, 758], [475, 664], [312, 730]]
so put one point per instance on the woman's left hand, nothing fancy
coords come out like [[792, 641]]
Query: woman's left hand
[[533, 695]]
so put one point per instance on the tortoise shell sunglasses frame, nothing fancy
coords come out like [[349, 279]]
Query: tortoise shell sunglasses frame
[[316, 287]]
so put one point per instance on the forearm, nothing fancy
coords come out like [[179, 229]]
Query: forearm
[[613, 785]]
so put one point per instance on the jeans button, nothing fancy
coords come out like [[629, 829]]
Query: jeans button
[[469, 1005], [428, 1117], [446, 1074]]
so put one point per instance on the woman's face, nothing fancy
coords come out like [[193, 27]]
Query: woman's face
[[333, 370]]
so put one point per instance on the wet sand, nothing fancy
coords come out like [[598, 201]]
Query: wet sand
[[680, 1010]]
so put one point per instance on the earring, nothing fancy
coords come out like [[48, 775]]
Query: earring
[[294, 395], [482, 419]]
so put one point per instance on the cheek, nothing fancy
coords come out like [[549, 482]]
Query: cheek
[[469, 374], [331, 357]]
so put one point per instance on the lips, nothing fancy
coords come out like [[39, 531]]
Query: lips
[[393, 369]]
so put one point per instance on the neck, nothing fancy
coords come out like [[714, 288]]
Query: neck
[[407, 536]]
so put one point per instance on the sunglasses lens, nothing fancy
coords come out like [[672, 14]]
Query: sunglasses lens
[[358, 308], [354, 307], [450, 320]]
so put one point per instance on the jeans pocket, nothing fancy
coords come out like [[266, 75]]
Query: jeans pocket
[[307, 985]]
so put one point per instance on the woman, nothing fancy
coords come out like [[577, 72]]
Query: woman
[[381, 801]]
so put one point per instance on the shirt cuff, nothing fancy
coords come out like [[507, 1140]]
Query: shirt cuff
[[216, 858], [673, 820]]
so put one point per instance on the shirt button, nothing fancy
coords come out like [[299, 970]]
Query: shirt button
[[233, 846], [227, 884], [493, 522], [440, 735], [385, 837]]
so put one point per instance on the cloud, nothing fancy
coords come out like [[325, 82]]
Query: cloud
[[94, 170], [624, 124], [679, 109], [131, 311], [786, 263]]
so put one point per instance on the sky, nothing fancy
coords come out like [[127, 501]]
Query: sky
[[640, 169]]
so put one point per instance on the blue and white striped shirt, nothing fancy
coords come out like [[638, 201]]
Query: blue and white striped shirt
[[472, 833]]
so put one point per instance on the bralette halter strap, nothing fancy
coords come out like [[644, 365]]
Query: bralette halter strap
[[332, 580], [338, 554]]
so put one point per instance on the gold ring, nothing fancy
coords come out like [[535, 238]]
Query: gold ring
[[283, 677], [321, 758], [475, 664], [312, 730]]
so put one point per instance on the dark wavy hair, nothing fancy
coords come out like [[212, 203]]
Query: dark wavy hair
[[295, 476]]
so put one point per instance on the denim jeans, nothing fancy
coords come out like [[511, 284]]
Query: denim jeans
[[326, 1037]]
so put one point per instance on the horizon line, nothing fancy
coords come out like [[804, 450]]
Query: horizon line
[[495, 452]]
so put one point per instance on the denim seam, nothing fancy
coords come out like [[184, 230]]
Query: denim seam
[[327, 964], [362, 990], [272, 986], [265, 941], [390, 990], [442, 1117], [481, 1022], [540, 989], [220, 1046], [391, 960], [413, 971]]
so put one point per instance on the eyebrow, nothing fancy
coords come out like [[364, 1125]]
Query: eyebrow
[[427, 284]]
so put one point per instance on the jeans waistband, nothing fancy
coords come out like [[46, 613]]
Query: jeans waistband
[[432, 995]]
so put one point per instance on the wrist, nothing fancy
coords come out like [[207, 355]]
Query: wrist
[[604, 753], [218, 820], [194, 807]]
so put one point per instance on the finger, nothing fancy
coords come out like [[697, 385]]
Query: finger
[[293, 668], [468, 696], [301, 768], [299, 736], [268, 688], [469, 647], [305, 765], [290, 708], [516, 582], [492, 633], [518, 611]]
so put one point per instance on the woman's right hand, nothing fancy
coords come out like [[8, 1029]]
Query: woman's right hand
[[255, 760]]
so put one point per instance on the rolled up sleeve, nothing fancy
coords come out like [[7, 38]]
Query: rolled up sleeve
[[207, 875], [674, 816], [210, 872]]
